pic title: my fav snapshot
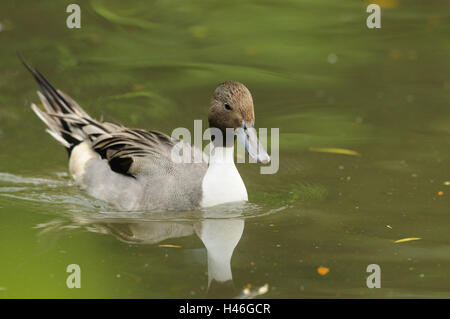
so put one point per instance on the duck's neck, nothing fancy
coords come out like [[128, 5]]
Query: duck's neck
[[222, 182], [221, 149], [221, 155]]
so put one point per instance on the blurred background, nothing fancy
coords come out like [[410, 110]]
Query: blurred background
[[364, 123]]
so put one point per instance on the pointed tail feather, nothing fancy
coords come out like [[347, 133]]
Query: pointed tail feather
[[56, 104]]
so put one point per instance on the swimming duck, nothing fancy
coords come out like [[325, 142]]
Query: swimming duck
[[133, 169]]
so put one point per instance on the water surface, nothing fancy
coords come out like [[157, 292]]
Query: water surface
[[315, 71]]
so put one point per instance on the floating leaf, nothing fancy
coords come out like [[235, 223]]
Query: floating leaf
[[406, 239], [323, 270], [334, 150], [169, 246], [248, 293], [264, 289]]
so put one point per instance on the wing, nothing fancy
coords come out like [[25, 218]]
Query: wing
[[124, 147]]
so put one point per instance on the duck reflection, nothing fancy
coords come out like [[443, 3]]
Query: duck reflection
[[220, 237]]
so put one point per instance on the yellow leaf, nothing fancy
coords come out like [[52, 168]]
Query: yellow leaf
[[169, 246], [334, 150], [406, 239], [323, 271]]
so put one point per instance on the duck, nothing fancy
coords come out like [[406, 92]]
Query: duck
[[134, 169]]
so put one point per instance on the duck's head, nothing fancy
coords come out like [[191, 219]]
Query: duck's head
[[232, 108]]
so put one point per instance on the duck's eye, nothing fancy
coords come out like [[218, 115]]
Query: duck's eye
[[228, 107]]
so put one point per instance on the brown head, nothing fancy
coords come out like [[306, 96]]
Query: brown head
[[231, 104], [232, 108]]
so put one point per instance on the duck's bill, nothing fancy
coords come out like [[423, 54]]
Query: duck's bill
[[247, 136]]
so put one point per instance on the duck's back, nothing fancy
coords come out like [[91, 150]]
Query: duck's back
[[151, 182]]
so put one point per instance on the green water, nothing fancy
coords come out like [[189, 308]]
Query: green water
[[316, 72]]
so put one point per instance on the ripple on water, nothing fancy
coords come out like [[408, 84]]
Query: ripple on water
[[81, 209]]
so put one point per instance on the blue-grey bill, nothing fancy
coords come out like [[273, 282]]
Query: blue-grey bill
[[252, 145]]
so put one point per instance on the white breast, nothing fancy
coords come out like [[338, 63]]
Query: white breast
[[222, 182]]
